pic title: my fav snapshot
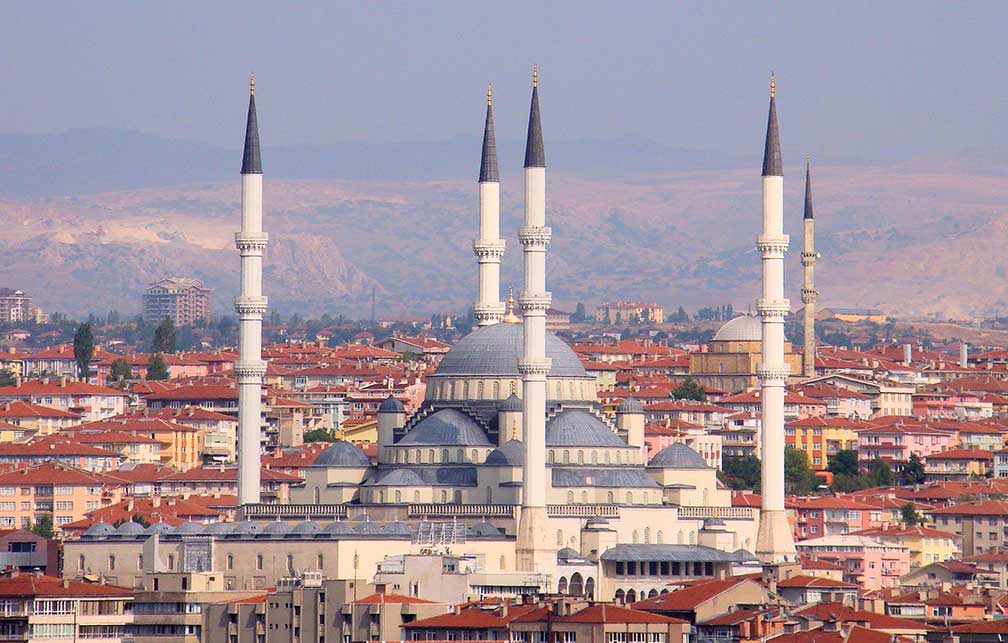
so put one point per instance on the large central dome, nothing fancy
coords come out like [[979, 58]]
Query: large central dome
[[494, 351]]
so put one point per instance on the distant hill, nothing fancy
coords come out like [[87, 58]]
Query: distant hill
[[911, 239]]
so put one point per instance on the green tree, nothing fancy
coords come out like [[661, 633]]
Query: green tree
[[120, 370], [741, 473], [164, 337], [7, 378], [910, 515], [84, 348], [798, 475], [319, 435], [844, 462], [157, 369], [690, 389], [880, 473], [579, 313], [913, 471], [43, 528]]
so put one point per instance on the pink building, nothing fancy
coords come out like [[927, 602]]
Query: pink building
[[895, 442], [867, 562], [831, 515]]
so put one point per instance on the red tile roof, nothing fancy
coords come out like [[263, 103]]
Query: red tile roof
[[689, 597], [612, 614], [54, 473], [814, 582], [27, 585], [375, 599]]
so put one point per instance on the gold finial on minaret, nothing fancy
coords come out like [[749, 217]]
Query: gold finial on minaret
[[489, 94], [510, 317], [252, 85], [514, 387], [773, 85], [535, 76], [514, 429]]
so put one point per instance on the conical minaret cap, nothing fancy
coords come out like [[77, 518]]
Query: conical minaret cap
[[772, 165], [488, 164], [535, 156], [808, 189], [251, 160]]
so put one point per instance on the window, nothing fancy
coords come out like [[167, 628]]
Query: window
[[259, 562], [171, 562], [230, 561]]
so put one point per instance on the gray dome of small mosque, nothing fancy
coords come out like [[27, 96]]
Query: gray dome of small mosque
[[510, 454], [447, 427], [342, 454], [744, 328], [579, 428], [495, 351], [630, 405], [678, 456], [391, 405]]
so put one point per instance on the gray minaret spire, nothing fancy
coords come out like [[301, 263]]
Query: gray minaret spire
[[534, 154], [250, 305], [809, 294], [771, 151], [489, 248]]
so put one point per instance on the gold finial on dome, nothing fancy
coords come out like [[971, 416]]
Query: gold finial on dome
[[514, 429], [510, 317], [252, 84]]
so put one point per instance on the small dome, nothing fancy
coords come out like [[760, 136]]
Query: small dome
[[391, 405], [307, 528], [99, 530], [275, 529], [246, 528], [130, 528], [186, 529], [337, 528], [744, 328], [678, 456], [483, 529], [342, 454], [578, 428], [509, 454], [160, 528], [217, 529], [630, 405], [568, 554], [399, 478], [511, 404], [447, 427]]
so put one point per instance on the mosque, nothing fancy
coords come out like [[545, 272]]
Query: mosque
[[510, 462]]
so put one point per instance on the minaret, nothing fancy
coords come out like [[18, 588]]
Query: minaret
[[809, 294], [774, 543], [488, 249], [532, 546], [250, 306]]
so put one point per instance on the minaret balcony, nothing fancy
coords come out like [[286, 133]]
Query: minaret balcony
[[250, 370], [250, 305], [535, 302], [773, 309], [809, 295], [488, 312], [488, 249], [251, 240], [773, 376], [773, 246], [535, 236], [535, 367]]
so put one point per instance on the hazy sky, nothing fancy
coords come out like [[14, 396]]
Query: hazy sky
[[856, 80]]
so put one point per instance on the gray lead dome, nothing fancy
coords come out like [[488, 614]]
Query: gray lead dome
[[495, 350], [678, 456], [342, 454]]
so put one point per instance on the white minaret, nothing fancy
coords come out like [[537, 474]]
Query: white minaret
[[250, 306], [533, 545], [774, 544], [488, 249], [809, 294]]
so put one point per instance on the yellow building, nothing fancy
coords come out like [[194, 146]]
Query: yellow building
[[853, 315], [625, 312], [181, 447], [821, 437], [926, 545], [359, 430], [734, 355]]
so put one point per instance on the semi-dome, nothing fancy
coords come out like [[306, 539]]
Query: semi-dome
[[391, 405], [744, 328], [579, 428], [496, 349], [630, 405], [342, 454], [447, 427], [509, 454], [678, 456], [510, 404]]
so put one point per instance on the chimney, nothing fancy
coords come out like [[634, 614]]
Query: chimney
[[155, 501], [907, 354], [964, 355]]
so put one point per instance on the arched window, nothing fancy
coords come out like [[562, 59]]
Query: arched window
[[230, 561], [398, 496], [319, 561], [559, 538], [479, 390], [566, 456], [589, 589], [444, 495], [475, 455], [416, 495], [661, 538], [706, 498], [610, 497], [444, 456], [171, 562], [381, 495], [111, 562], [80, 563], [570, 497], [619, 457], [496, 390], [570, 387], [139, 561], [634, 538], [502, 561], [451, 390], [460, 455], [631, 596], [552, 456], [259, 561], [620, 597], [647, 535], [584, 497], [692, 538], [580, 457], [419, 456], [629, 497], [562, 585], [290, 563], [652, 593], [679, 537], [576, 587], [430, 455], [559, 393]]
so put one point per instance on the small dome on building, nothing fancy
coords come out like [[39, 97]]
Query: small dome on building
[[130, 529], [678, 456], [159, 528], [275, 529], [512, 403], [399, 478], [509, 454], [568, 554], [630, 405], [217, 529], [186, 529], [744, 328], [579, 428], [337, 528], [483, 529], [246, 528], [100, 529], [391, 405], [342, 454], [307, 528], [447, 427]]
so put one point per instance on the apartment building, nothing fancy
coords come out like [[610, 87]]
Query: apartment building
[[183, 300], [43, 608]]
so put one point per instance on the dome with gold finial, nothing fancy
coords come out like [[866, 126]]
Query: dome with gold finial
[[510, 317]]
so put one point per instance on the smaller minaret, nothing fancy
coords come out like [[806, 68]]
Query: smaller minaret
[[809, 294], [489, 248]]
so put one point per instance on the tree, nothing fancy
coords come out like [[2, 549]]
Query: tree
[[690, 389], [43, 528], [880, 473], [164, 337], [844, 462], [157, 369], [84, 348], [741, 473], [798, 475], [913, 471], [579, 313], [319, 435], [910, 515], [7, 378], [120, 370]]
